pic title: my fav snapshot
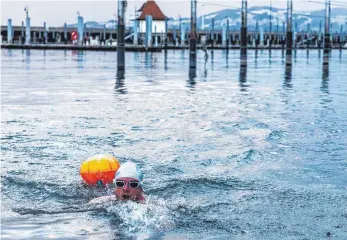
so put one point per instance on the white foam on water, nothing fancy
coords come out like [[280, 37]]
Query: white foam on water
[[143, 218]]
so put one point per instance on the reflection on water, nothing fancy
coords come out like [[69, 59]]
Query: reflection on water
[[78, 55], [80, 60], [288, 71], [192, 78], [326, 55], [206, 60], [226, 56], [148, 60], [151, 60], [243, 72], [289, 58], [120, 86], [326, 97], [295, 53], [325, 74], [165, 60], [243, 59], [27, 59]]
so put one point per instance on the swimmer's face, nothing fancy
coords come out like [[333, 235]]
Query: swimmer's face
[[128, 189]]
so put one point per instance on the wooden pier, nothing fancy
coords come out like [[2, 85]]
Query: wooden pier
[[272, 40]]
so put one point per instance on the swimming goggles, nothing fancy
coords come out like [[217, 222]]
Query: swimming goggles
[[131, 184]]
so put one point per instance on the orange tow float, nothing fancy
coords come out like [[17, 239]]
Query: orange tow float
[[99, 169]]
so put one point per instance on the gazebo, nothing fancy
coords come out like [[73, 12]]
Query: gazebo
[[158, 18]]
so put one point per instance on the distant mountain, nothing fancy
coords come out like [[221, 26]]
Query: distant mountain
[[92, 24], [260, 14]]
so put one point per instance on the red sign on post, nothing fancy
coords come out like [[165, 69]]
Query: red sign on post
[[74, 36]]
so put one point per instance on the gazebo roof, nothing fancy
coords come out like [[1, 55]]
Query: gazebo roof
[[151, 8]]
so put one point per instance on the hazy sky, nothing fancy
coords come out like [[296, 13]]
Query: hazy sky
[[56, 13]]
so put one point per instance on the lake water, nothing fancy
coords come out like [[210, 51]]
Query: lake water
[[231, 153]]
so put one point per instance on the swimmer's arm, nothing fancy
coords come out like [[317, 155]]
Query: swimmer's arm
[[103, 199], [141, 199]]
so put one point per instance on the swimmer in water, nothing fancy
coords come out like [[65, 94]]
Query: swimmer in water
[[128, 185]]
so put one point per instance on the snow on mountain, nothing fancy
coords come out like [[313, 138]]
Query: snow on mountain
[[210, 16], [262, 16], [111, 24]]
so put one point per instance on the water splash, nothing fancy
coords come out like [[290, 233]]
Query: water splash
[[154, 215]]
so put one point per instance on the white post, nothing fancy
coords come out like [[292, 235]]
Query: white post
[[27, 31], [9, 31]]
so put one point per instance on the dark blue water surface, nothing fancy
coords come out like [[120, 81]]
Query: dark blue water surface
[[258, 152]]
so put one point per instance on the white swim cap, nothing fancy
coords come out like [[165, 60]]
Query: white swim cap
[[129, 169]]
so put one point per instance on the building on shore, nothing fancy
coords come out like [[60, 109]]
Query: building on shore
[[151, 8]]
